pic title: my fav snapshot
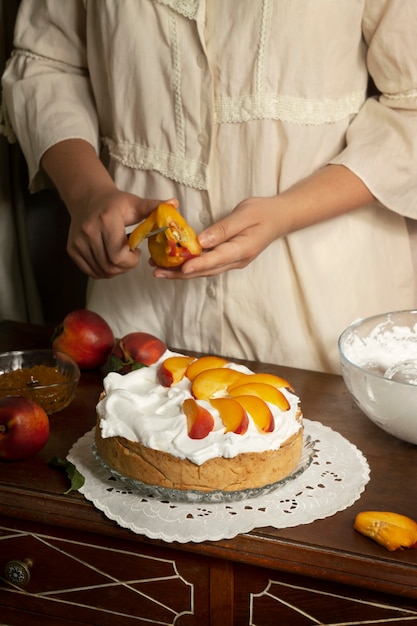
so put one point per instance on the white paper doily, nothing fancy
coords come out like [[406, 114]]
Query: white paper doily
[[335, 479]]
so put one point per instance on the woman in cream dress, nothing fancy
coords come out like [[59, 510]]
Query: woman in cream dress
[[255, 116]]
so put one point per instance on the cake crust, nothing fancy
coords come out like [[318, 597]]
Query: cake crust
[[244, 471]]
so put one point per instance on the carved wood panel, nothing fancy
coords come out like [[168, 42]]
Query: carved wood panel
[[99, 584], [267, 598]]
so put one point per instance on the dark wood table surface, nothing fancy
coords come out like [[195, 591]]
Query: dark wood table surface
[[329, 549]]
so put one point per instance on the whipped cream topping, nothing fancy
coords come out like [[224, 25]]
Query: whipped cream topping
[[136, 406]]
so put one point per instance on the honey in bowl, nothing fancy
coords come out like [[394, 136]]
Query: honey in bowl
[[47, 377]]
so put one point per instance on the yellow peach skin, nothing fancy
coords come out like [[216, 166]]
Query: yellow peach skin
[[233, 415], [173, 246], [204, 363], [268, 379], [173, 369], [391, 530], [210, 382], [199, 421], [261, 390], [259, 412]]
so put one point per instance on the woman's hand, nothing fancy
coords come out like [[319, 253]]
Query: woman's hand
[[234, 241], [97, 240], [99, 211], [237, 239]]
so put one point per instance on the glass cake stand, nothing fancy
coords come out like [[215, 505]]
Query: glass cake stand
[[193, 495]]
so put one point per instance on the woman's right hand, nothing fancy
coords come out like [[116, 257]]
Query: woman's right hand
[[99, 211], [97, 240]]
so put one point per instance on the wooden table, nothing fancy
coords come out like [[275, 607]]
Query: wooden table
[[87, 570]]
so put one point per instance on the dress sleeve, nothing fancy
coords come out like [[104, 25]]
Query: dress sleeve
[[382, 139], [47, 95]]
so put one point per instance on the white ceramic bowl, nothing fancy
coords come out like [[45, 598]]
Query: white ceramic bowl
[[378, 357]]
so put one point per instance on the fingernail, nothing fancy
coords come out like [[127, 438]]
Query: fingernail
[[205, 239]]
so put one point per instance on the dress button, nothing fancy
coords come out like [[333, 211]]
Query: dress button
[[201, 60], [203, 139], [211, 292], [204, 217]]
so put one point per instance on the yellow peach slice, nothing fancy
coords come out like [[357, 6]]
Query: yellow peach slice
[[391, 530], [138, 235], [200, 422], [233, 415], [263, 391], [204, 363], [259, 411], [173, 369], [268, 379], [210, 382]]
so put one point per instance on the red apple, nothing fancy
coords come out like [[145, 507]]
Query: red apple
[[134, 351], [24, 428], [85, 336]]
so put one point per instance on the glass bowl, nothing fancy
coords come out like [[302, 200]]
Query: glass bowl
[[177, 495], [48, 377], [378, 357]]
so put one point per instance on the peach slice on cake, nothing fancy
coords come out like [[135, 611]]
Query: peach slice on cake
[[261, 390], [204, 363], [233, 415], [268, 379], [173, 369], [259, 411], [200, 422], [209, 382]]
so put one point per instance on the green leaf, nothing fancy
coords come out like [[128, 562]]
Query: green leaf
[[77, 479], [138, 366]]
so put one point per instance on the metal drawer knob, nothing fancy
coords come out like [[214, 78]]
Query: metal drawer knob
[[18, 572]]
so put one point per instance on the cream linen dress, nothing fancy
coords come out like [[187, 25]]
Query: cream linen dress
[[213, 101]]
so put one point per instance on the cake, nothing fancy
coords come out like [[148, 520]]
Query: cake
[[203, 424]]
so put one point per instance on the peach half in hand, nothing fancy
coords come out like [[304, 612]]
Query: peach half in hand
[[204, 363], [233, 415], [259, 412], [210, 382], [200, 422], [172, 370], [263, 391], [175, 242]]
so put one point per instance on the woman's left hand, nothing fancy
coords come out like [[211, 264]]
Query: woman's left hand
[[233, 242]]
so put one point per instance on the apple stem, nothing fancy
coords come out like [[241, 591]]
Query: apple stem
[[127, 358], [3, 429]]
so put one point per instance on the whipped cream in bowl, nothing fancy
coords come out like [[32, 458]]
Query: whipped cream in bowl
[[378, 357]]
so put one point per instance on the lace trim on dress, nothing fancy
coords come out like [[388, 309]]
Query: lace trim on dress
[[187, 8], [177, 168], [402, 95], [290, 109], [176, 83], [263, 42], [64, 65]]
